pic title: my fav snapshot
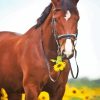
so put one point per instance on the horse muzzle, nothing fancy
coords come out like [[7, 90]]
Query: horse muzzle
[[68, 55], [68, 49]]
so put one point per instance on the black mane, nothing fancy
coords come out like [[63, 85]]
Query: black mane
[[43, 16], [65, 5]]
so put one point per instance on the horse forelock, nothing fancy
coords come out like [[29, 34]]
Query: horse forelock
[[67, 5]]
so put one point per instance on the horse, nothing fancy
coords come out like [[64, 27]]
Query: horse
[[25, 64]]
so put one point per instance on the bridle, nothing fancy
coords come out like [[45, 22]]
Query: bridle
[[67, 36], [58, 37]]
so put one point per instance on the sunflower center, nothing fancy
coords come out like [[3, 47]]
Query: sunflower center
[[59, 65], [74, 91], [43, 98], [87, 97]]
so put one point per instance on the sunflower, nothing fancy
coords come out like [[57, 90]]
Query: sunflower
[[43, 96], [23, 96], [3, 98], [97, 91], [59, 66], [4, 94]]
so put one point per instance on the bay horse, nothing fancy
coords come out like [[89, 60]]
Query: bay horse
[[25, 64]]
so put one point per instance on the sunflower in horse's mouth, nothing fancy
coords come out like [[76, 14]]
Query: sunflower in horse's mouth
[[60, 64]]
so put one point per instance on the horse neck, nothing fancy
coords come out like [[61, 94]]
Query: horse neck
[[44, 32], [49, 43]]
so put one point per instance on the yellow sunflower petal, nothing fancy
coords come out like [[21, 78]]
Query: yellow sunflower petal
[[4, 93], [43, 96], [56, 68], [59, 66]]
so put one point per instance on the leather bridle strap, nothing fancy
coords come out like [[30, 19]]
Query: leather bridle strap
[[56, 36], [67, 36]]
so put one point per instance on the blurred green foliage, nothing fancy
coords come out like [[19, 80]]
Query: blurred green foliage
[[75, 98], [85, 82]]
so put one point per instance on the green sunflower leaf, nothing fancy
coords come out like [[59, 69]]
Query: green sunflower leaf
[[59, 59], [53, 60]]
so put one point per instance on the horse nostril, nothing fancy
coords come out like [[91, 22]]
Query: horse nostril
[[63, 51]]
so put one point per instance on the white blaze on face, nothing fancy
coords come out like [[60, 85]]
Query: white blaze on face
[[68, 47], [68, 15]]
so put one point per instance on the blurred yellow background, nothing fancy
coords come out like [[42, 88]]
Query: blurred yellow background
[[81, 89]]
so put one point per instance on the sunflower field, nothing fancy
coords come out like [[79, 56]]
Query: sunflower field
[[82, 89]]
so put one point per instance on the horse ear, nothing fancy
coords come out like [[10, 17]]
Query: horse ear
[[55, 2], [75, 1]]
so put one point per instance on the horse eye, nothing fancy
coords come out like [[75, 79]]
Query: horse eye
[[58, 9], [56, 19]]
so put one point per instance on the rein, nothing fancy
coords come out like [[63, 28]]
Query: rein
[[75, 54]]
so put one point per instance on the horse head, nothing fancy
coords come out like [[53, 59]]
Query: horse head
[[64, 25]]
